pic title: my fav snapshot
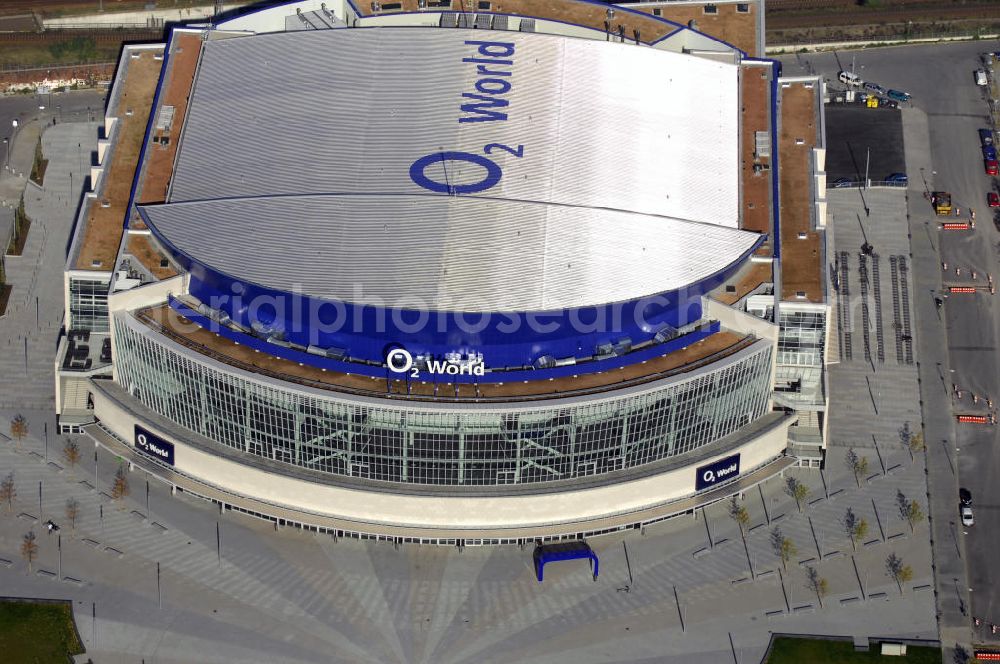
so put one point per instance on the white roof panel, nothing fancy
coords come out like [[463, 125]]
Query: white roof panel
[[588, 123], [457, 253]]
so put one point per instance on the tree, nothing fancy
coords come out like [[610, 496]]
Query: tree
[[856, 527], [783, 547], [72, 512], [119, 486], [912, 440], [897, 571], [817, 584], [917, 444], [739, 514], [857, 465], [8, 492], [71, 453], [796, 490], [18, 429], [909, 510], [29, 549]]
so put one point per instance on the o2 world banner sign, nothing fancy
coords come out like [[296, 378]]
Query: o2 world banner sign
[[154, 446]]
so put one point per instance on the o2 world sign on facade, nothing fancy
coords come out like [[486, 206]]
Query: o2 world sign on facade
[[400, 360], [152, 445], [717, 472]]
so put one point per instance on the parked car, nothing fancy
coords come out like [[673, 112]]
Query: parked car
[[991, 166], [981, 77], [986, 136], [899, 95], [849, 79], [967, 519], [992, 199], [899, 178], [875, 87], [888, 103], [841, 183], [989, 152], [965, 497]]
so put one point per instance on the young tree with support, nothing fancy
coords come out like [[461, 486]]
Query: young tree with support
[[898, 571], [8, 491], [783, 547], [18, 429], [119, 486], [857, 465], [912, 440], [856, 527], [71, 453], [816, 583], [797, 490], [72, 512], [739, 514], [29, 548], [909, 510]]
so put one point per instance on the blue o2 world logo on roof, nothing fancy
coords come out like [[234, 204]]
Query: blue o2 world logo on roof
[[494, 66]]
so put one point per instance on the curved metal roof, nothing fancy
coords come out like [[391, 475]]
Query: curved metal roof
[[585, 122], [451, 253]]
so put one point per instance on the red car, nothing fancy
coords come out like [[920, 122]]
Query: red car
[[992, 199], [991, 167]]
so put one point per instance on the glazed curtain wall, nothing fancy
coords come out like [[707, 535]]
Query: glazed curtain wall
[[401, 442]]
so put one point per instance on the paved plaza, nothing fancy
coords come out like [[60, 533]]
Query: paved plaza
[[165, 578]]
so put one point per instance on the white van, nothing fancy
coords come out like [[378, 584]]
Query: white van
[[981, 77], [850, 79]]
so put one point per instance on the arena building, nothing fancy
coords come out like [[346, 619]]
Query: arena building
[[420, 272]]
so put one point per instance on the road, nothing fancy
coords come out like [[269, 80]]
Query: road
[[73, 106], [940, 78]]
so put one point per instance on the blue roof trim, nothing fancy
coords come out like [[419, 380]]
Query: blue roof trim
[[775, 191], [329, 364]]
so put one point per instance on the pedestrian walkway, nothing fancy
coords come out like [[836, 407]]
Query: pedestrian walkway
[[29, 331]]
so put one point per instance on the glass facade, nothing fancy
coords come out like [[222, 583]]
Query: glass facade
[[801, 338], [801, 342], [404, 442], [88, 304]]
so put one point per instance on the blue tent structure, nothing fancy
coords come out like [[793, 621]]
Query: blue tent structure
[[577, 550]]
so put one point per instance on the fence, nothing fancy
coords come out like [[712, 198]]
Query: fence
[[859, 184]]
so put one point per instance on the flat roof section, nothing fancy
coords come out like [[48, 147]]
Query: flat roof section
[[727, 23], [801, 251], [182, 63], [755, 86], [165, 320], [744, 282], [144, 249], [589, 14], [103, 228]]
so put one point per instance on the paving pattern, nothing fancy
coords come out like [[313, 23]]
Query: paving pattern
[[231, 588]]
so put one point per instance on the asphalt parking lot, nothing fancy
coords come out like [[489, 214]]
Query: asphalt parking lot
[[860, 140], [940, 78]]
